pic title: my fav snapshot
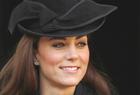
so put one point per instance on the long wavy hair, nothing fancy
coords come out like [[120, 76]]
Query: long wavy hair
[[19, 75]]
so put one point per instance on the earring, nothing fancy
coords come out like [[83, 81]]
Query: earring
[[36, 62]]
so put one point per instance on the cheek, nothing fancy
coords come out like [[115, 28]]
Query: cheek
[[54, 58], [49, 57], [49, 61], [85, 56]]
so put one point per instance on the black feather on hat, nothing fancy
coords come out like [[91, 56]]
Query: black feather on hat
[[58, 17]]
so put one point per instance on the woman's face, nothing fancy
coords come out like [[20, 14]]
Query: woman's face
[[63, 60]]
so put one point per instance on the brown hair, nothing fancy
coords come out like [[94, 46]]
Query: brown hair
[[18, 77]]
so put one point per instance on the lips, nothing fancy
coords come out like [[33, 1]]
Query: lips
[[70, 68]]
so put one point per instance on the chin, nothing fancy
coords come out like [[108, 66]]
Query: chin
[[70, 82]]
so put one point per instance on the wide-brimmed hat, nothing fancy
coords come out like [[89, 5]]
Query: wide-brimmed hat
[[58, 17]]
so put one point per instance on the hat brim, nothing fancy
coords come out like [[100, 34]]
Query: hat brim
[[90, 28]]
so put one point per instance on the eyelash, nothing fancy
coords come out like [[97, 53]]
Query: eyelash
[[58, 45], [81, 44], [61, 44]]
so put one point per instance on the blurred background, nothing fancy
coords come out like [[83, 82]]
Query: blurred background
[[117, 42]]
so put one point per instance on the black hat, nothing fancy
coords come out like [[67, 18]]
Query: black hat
[[58, 17]]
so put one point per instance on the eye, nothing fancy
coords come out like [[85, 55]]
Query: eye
[[81, 44], [58, 45]]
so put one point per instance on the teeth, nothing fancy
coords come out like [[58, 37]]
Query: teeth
[[70, 68]]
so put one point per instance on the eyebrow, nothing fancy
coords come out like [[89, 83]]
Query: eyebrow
[[62, 38], [78, 37], [56, 38]]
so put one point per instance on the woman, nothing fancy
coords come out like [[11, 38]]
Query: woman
[[55, 53]]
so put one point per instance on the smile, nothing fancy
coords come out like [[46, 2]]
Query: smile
[[70, 68]]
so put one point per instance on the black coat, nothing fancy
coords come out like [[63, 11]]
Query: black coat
[[82, 89]]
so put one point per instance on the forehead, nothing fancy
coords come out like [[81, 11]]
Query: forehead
[[65, 38], [47, 39]]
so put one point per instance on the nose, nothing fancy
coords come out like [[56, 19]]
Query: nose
[[72, 53]]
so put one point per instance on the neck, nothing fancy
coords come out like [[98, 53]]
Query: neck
[[47, 88]]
